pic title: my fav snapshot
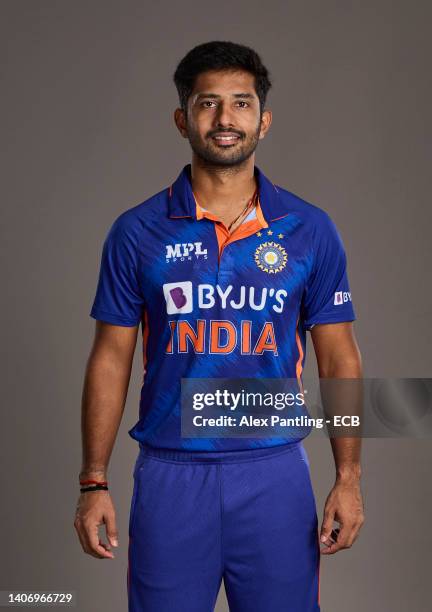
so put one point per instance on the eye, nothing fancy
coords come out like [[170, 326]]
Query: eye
[[207, 102], [243, 102]]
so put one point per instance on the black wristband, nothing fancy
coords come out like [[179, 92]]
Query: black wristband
[[94, 488]]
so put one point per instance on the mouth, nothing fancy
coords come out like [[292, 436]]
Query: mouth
[[225, 140]]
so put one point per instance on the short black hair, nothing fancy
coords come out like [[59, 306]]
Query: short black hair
[[220, 55]]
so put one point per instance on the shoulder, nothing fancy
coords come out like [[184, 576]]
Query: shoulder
[[140, 215], [322, 233], [313, 218], [309, 212], [130, 225]]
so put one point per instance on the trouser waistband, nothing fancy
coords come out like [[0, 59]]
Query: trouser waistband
[[217, 456]]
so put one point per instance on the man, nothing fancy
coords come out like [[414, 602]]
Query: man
[[225, 271]]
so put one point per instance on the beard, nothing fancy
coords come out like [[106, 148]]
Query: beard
[[223, 156]]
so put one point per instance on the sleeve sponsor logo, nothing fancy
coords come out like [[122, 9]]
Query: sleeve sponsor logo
[[340, 297]]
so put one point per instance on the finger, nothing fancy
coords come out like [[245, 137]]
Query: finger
[[85, 542], [327, 526], [342, 541], [80, 536], [83, 529], [329, 550], [105, 546], [92, 536], [111, 529], [354, 534]]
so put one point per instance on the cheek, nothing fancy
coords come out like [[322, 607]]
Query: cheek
[[194, 131], [200, 127]]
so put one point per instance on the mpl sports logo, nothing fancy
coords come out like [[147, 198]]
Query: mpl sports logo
[[340, 297], [184, 251]]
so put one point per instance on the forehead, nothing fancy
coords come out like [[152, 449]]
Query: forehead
[[224, 82]]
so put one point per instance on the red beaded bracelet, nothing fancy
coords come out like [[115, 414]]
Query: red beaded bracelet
[[100, 482]]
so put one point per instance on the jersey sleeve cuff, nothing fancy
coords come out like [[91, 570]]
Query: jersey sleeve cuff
[[107, 317], [330, 318]]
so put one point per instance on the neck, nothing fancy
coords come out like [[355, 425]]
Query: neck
[[224, 191]]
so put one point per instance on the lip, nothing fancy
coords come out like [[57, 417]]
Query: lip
[[226, 139]]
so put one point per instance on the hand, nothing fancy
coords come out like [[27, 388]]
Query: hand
[[95, 508], [344, 505]]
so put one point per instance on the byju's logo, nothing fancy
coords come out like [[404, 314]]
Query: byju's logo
[[178, 297], [340, 297], [184, 250]]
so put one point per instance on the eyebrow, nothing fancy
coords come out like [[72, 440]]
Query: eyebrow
[[216, 96]]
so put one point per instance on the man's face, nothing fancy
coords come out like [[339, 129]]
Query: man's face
[[223, 122]]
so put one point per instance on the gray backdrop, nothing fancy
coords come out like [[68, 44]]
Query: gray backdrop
[[87, 103]]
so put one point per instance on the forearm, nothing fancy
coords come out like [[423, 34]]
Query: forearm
[[346, 401], [347, 458], [103, 400]]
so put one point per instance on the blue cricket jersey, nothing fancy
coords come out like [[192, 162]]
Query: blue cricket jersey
[[217, 305]]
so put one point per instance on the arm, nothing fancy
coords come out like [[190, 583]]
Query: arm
[[104, 395], [338, 356]]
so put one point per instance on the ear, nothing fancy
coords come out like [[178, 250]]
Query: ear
[[180, 121], [266, 120]]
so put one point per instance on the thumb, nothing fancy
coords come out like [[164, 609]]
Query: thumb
[[111, 530], [327, 526]]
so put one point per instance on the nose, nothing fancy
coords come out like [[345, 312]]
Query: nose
[[224, 117]]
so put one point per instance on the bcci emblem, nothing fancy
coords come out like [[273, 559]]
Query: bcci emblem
[[270, 257]]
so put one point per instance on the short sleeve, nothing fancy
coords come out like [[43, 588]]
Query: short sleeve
[[119, 299], [327, 295]]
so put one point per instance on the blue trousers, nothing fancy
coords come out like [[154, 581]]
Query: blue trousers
[[247, 517]]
